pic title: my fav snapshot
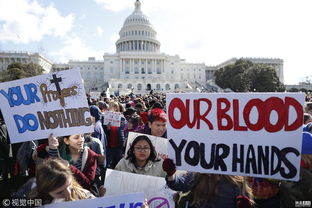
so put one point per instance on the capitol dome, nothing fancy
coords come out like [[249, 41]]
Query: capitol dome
[[137, 33]]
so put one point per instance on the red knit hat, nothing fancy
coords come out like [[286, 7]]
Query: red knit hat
[[157, 114]]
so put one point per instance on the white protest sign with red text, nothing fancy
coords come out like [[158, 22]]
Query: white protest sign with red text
[[250, 134], [112, 118]]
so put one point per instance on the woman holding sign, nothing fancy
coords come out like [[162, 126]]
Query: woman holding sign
[[142, 159], [83, 161], [208, 190]]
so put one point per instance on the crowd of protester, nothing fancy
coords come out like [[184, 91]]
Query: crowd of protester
[[73, 167]]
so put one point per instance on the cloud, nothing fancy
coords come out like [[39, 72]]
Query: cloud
[[74, 49], [99, 30], [114, 37], [115, 5], [29, 21]]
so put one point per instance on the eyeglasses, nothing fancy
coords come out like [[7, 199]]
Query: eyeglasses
[[140, 149]]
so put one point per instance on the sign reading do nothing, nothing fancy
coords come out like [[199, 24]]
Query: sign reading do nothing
[[51, 103]]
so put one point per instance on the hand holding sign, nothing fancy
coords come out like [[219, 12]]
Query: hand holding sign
[[53, 142], [169, 167]]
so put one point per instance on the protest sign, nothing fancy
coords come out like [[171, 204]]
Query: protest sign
[[112, 118], [155, 188], [51, 103], [250, 134], [159, 143], [134, 200], [95, 95]]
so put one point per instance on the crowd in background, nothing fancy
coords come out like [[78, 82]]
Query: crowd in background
[[76, 164]]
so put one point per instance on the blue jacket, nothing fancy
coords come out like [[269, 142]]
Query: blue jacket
[[227, 191]]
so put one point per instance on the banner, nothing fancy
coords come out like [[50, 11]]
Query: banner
[[134, 200], [51, 103], [114, 118], [157, 193], [249, 134], [159, 143]]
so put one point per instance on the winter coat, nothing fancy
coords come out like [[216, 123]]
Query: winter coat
[[151, 168], [85, 176]]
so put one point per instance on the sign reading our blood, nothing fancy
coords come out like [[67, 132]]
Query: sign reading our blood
[[51, 103], [251, 134]]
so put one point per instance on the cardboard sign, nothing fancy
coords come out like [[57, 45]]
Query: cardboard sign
[[134, 200], [155, 189], [114, 118], [250, 134], [51, 103], [160, 144]]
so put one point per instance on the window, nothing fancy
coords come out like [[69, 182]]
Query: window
[[167, 87], [139, 86], [136, 70], [158, 87], [176, 86], [129, 86], [127, 71], [119, 86], [149, 70], [143, 71], [158, 70]]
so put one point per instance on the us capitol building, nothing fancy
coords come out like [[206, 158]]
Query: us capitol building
[[139, 66]]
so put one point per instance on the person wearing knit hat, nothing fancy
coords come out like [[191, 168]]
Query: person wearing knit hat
[[156, 125]]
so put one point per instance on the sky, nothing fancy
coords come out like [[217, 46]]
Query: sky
[[199, 31]]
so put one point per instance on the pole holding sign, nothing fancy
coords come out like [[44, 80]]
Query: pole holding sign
[[249, 134]]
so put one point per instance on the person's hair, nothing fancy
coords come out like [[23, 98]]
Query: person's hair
[[135, 119], [157, 114], [153, 153], [121, 108], [51, 174], [102, 105], [139, 106], [206, 186], [307, 159], [114, 104], [306, 117], [157, 105]]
